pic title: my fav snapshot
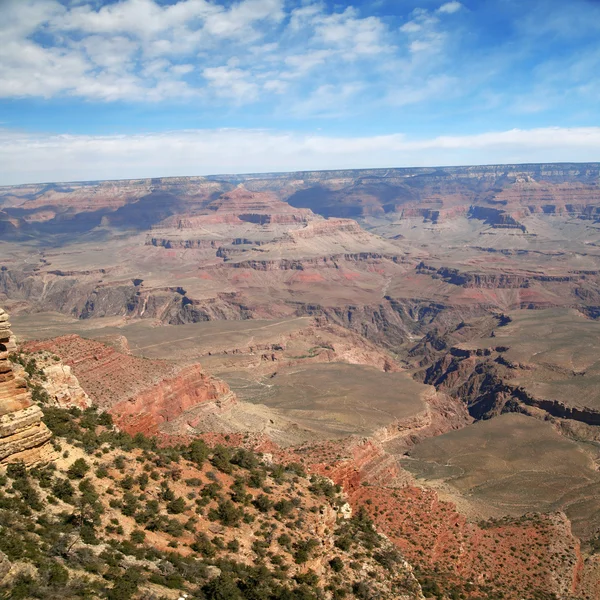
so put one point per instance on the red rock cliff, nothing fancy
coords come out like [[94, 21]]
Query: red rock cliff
[[23, 436], [168, 399], [141, 394]]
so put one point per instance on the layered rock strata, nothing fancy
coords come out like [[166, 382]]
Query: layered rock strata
[[142, 395], [170, 398], [23, 436]]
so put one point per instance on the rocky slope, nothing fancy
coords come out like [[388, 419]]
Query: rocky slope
[[528, 557], [454, 551], [429, 277], [452, 555], [23, 435], [128, 519]]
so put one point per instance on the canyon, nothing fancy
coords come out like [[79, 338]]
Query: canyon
[[426, 338]]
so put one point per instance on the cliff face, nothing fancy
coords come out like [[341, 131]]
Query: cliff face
[[169, 399], [23, 436], [492, 281], [487, 382], [141, 394], [477, 379], [84, 298]]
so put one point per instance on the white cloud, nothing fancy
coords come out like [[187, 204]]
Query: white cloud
[[411, 27], [111, 52], [305, 15], [276, 85], [242, 15], [424, 32], [347, 30], [303, 63], [147, 20], [344, 28], [27, 69], [38, 158], [21, 18], [292, 55], [146, 50], [143, 18], [231, 82], [450, 7], [182, 69]]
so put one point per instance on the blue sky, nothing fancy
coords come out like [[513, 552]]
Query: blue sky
[[95, 89]]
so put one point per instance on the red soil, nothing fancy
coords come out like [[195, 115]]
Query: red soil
[[515, 556]]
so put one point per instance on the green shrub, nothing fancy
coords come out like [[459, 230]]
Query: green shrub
[[227, 513], [176, 506], [16, 470], [263, 503], [221, 459], [337, 564], [138, 536], [203, 546], [63, 490], [304, 549], [78, 469]]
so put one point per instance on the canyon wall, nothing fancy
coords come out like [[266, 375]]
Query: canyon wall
[[507, 192], [169, 399], [23, 435], [141, 394]]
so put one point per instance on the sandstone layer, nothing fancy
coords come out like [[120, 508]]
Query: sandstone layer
[[171, 398], [23, 435]]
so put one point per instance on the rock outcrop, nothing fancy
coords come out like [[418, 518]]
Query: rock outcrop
[[23, 435], [142, 395], [63, 387], [56, 379], [169, 399]]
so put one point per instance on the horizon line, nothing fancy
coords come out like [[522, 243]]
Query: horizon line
[[595, 164]]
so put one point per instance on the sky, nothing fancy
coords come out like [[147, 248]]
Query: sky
[[112, 89]]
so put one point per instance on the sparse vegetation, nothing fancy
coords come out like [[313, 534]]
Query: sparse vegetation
[[134, 514]]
